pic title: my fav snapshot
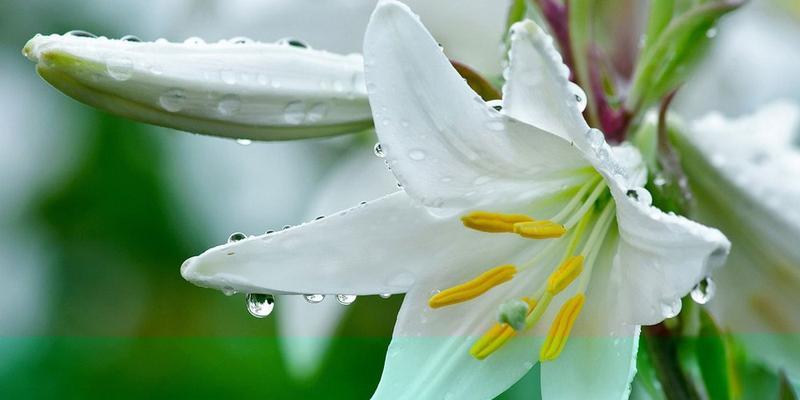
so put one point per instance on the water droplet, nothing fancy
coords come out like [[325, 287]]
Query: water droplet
[[346, 299], [236, 236], [378, 150], [260, 305], [580, 96], [659, 180], [317, 112], [244, 142], [496, 104], [704, 291], [228, 291], [229, 104], [293, 42], [416, 155], [228, 76], [130, 38], [173, 100], [314, 298], [120, 68], [194, 40], [241, 40], [669, 310], [641, 195], [595, 138], [385, 295], [711, 33], [285, 227], [294, 113], [79, 33]]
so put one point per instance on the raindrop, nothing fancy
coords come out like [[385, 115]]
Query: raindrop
[[228, 291], [641, 195], [241, 40], [319, 218], [672, 309], [314, 298], [228, 76], [120, 68], [79, 33], [260, 305], [496, 104], [595, 138], [317, 112], [416, 155], [173, 100], [244, 142], [346, 299], [704, 291], [385, 295], [236, 236], [194, 40], [285, 227], [130, 38], [293, 42], [294, 113], [580, 96], [378, 150], [229, 104], [269, 232]]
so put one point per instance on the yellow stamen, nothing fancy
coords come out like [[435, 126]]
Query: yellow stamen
[[565, 274], [539, 229], [486, 221], [474, 288], [559, 331], [496, 336]]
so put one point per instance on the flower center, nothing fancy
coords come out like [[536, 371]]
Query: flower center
[[583, 223]]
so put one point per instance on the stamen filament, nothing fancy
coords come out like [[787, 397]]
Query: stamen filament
[[486, 221], [598, 190], [576, 199], [473, 288], [561, 328], [593, 244]]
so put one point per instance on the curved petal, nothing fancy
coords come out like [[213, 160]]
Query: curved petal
[[600, 337], [383, 246], [259, 91], [660, 257], [537, 89], [429, 354], [443, 143]]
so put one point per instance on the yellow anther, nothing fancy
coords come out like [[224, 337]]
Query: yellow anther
[[539, 229], [486, 221], [565, 274], [474, 288], [496, 336], [559, 331]]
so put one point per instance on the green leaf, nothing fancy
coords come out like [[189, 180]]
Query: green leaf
[[712, 357], [580, 19], [785, 390], [661, 12]]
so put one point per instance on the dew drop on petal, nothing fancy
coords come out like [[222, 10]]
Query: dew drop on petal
[[229, 104], [385, 295], [346, 299], [378, 150], [669, 310], [260, 305], [580, 96], [119, 68], [416, 155], [79, 33], [704, 291], [317, 112], [314, 298], [595, 138], [293, 42], [294, 113], [496, 104], [236, 236], [244, 142], [173, 100], [711, 33], [241, 40], [228, 291], [194, 40], [130, 38]]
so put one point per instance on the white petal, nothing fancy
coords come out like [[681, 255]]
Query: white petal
[[443, 143], [380, 247], [537, 88], [600, 337], [660, 258], [429, 354], [250, 90]]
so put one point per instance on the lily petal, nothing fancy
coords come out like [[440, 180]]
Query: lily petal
[[444, 144], [380, 247], [537, 89], [660, 257], [429, 354], [600, 337], [258, 91]]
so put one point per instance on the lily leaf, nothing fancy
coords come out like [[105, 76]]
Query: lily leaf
[[712, 357], [785, 390], [237, 89]]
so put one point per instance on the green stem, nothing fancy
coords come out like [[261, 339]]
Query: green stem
[[662, 347]]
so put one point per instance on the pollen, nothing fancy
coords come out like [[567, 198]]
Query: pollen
[[496, 336], [473, 288], [539, 229], [486, 221], [565, 274], [560, 330]]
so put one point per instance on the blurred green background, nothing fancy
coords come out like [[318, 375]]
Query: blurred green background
[[97, 214]]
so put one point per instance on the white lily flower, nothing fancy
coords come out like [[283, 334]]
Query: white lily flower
[[237, 88], [569, 246], [744, 173]]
